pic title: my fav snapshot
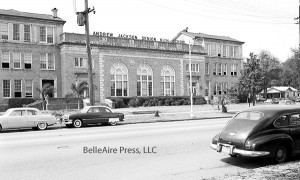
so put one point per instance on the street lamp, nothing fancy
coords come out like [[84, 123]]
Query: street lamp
[[191, 43]]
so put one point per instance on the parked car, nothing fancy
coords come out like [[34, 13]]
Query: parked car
[[92, 115], [267, 131], [26, 118]]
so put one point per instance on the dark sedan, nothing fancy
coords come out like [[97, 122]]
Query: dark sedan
[[268, 131], [93, 115]]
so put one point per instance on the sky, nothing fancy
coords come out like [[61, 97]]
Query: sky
[[263, 25]]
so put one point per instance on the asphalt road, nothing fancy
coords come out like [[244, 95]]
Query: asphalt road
[[170, 150]]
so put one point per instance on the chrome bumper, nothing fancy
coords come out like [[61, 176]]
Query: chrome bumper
[[67, 121], [235, 151]]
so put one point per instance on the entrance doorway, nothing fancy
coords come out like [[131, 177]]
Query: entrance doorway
[[50, 81]]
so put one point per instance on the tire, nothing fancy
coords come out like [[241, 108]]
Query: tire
[[281, 154], [0, 128], [69, 125], [41, 126], [77, 123]]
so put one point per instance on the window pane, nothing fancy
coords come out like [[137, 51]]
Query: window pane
[[49, 35], [17, 60], [27, 33], [43, 61], [51, 63], [28, 88], [6, 88], [43, 34], [16, 32]]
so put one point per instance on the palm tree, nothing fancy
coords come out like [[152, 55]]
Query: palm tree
[[46, 90], [78, 89]]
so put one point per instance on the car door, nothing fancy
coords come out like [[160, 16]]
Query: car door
[[295, 129], [93, 116], [105, 114], [31, 117], [17, 119]]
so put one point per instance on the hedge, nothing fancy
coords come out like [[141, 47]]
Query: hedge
[[19, 102], [122, 102]]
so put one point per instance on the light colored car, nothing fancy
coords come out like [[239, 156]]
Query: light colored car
[[26, 118]]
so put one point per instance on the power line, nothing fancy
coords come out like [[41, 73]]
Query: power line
[[214, 17]]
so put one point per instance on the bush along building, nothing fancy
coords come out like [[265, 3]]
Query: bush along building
[[124, 66]]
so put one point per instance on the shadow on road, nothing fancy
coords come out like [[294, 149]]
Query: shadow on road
[[252, 163]]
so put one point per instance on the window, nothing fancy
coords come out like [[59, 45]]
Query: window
[[213, 50], [31, 112], [49, 35], [43, 34], [214, 68], [254, 116], [28, 88], [4, 31], [18, 88], [225, 51], [206, 88], [17, 60], [167, 81], [234, 70], [220, 69], [235, 51], [295, 120], [195, 67], [231, 51], [5, 59], [46, 34], [281, 121], [27, 30], [219, 50], [16, 32], [225, 70], [215, 89], [6, 88], [206, 68], [144, 80], [119, 80], [27, 60], [18, 113], [225, 88], [81, 62], [47, 61], [219, 88]]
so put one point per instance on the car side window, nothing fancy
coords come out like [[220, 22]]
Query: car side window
[[94, 110], [31, 112], [17, 113], [103, 109], [295, 120], [282, 121]]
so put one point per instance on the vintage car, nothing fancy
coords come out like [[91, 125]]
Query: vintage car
[[26, 118], [266, 131], [92, 115]]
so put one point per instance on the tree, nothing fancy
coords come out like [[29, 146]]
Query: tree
[[270, 70], [46, 91], [290, 75], [250, 81], [78, 90]]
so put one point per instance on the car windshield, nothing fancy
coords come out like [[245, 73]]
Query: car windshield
[[249, 115]]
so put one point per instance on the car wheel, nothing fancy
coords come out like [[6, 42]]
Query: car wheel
[[280, 154], [41, 126], [69, 125], [77, 123], [113, 123]]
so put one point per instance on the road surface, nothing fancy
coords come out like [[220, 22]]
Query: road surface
[[169, 150]]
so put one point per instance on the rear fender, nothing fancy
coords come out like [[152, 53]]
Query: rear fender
[[269, 142]]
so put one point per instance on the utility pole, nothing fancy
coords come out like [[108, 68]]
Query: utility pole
[[83, 20], [90, 69]]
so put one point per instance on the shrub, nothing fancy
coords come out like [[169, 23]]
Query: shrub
[[119, 103], [19, 102]]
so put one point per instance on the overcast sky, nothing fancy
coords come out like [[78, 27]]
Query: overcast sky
[[261, 24]]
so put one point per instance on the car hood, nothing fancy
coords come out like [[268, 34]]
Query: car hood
[[237, 131]]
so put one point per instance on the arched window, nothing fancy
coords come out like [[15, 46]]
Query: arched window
[[167, 82], [119, 80], [144, 80]]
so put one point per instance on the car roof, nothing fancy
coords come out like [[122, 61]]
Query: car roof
[[274, 108]]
